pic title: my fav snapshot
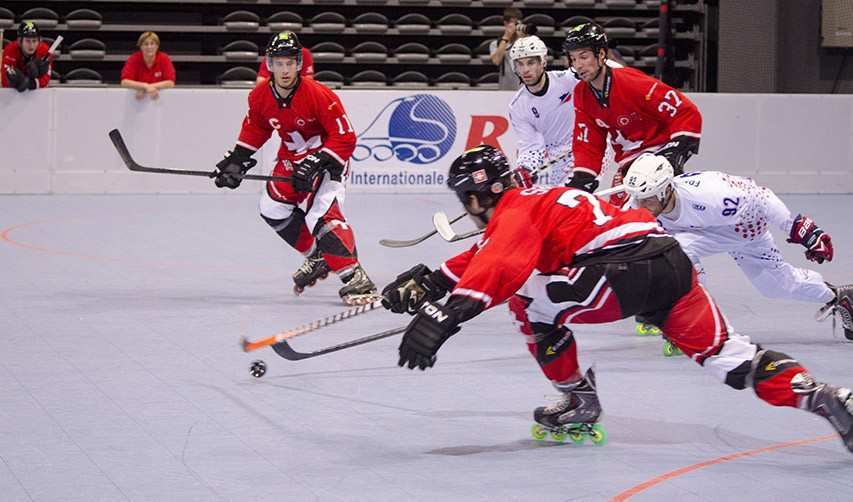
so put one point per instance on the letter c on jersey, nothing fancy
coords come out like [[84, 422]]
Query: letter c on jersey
[[275, 123]]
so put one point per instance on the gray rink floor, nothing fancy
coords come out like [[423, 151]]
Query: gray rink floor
[[121, 377]]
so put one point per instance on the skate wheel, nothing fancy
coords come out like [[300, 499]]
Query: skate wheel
[[848, 334], [576, 436], [668, 348], [643, 329], [558, 435], [538, 432], [298, 290], [599, 435], [258, 368]]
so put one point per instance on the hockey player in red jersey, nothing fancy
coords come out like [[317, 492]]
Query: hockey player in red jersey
[[562, 256], [317, 140], [642, 114], [26, 61]]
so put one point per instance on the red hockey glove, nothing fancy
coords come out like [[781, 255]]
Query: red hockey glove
[[818, 243]]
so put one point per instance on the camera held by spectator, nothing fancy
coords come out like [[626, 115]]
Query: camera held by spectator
[[525, 30]]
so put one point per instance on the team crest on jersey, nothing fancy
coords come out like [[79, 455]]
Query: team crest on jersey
[[699, 207], [300, 122], [565, 98]]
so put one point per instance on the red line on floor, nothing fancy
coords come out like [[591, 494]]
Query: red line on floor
[[630, 492]]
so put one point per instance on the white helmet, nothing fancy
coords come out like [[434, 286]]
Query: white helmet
[[648, 176], [526, 47]]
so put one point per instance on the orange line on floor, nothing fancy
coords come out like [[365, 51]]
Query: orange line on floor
[[630, 492]]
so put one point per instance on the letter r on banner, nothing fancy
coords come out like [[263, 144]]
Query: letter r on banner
[[477, 135]]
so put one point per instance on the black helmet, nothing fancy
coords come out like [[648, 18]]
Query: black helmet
[[482, 170], [585, 35], [28, 29], [285, 43]]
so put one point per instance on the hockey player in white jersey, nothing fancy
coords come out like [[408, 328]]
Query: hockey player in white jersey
[[710, 212]]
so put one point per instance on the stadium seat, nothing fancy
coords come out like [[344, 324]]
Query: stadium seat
[[413, 2], [454, 53], [538, 3], [44, 18], [543, 23], [497, 3], [454, 3], [328, 22], [84, 19], [370, 22], [579, 3], [453, 80], [322, 2], [492, 26], [285, 21], [331, 52], [647, 56], [410, 79], [489, 81], [244, 50], [87, 48], [241, 20], [627, 53], [412, 52], [371, 2], [619, 27], [330, 78], [370, 52], [459, 24], [239, 76], [7, 19], [650, 28], [83, 76], [368, 78], [620, 4], [413, 23], [482, 51]]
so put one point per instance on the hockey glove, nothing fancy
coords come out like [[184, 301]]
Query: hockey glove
[[523, 177], [311, 167], [583, 181], [430, 328], [678, 150], [36, 67], [414, 287], [233, 167], [818, 243]]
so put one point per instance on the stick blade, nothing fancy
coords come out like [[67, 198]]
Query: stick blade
[[442, 226]]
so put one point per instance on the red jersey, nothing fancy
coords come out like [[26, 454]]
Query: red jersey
[[136, 69], [307, 65], [642, 114], [14, 57], [312, 118], [543, 230]]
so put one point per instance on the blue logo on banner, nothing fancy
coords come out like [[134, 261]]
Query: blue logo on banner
[[419, 129]]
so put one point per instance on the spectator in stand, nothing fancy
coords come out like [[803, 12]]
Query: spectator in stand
[[149, 69], [306, 71], [499, 49], [26, 61]]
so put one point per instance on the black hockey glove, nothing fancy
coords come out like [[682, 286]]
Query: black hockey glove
[[36, 67], [13, 76], [678, 150], [430, 328], [583, 180], [818, 243], [311, 167], [233, 167], [414, 287]]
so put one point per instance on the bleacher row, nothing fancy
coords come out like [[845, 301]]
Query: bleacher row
[[355, 44]]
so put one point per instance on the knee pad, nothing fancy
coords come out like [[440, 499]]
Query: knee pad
[[771, 375], [292, 229]]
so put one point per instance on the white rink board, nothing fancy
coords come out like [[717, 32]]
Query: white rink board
[[55, 140]]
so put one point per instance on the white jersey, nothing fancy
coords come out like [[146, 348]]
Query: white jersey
[[720, 213], [544, 123], [717, 212]]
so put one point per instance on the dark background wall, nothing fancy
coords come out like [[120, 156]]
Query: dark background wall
[[774, 46]]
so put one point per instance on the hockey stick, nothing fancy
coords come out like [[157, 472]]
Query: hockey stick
[[445, 230], [124, 153], [248, 346], [404, 244], [54, 45], [286, 351], [391, 243]]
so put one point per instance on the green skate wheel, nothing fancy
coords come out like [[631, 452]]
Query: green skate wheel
[[576, 436], [668, 348], [644, 329], [558, 436], [599, 435], [538, 432]]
